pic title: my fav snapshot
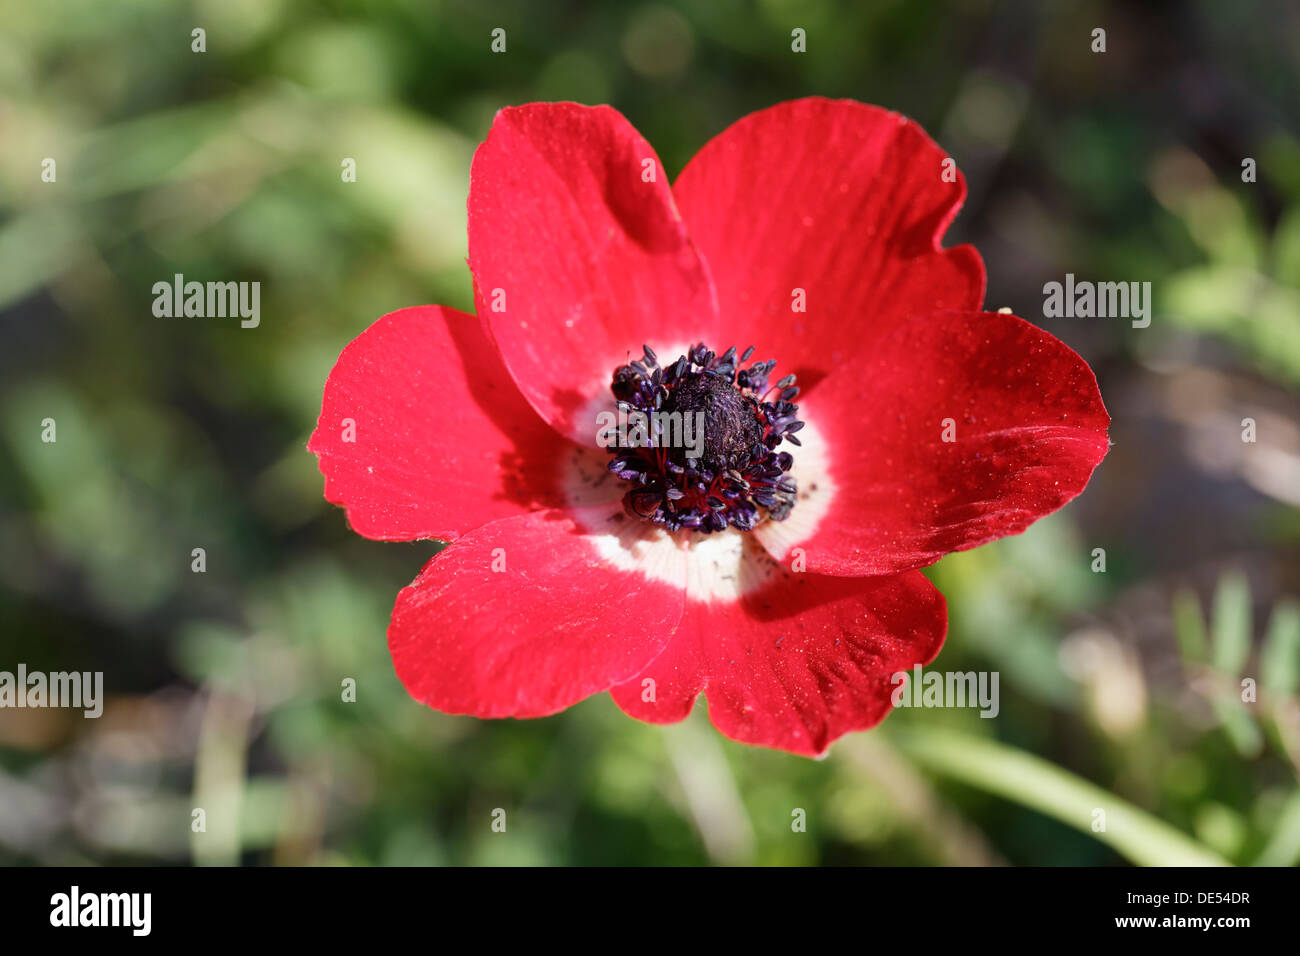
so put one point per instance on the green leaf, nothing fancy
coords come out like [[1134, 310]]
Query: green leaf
[[1035, 783], [1279, 661], [1283, 847], [1189, 627], [1237, 723], [35, 248], [1231, 637], [1231, 627]]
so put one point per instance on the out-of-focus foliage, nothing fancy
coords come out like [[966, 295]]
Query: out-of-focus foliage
[[1121, 688]]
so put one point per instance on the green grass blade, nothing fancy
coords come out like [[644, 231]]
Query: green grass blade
[[1279, 663], [1189, 627], [1231, 627], [1035, 783]]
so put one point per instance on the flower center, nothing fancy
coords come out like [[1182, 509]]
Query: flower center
[[697, 440]]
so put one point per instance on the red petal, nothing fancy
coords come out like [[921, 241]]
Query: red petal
[[797, 663], [592, 261], [840, 199], [1029, 428], [443, 440], [560, 621]]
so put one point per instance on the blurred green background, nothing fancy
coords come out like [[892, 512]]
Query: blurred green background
[[1119, 690]]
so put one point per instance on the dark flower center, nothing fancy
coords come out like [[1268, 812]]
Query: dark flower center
[[697, 440]]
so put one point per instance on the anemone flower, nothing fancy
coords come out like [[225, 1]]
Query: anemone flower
[[859, 417]]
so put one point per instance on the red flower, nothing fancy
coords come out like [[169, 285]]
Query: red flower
[[777, 572]]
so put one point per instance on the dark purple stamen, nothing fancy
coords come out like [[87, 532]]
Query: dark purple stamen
[[738, 479]]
